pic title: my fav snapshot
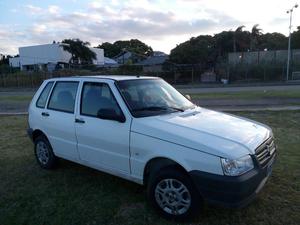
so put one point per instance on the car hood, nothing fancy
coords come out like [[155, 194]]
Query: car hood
[[205, 130]]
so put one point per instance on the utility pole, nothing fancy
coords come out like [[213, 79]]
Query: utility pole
[[289, 45]]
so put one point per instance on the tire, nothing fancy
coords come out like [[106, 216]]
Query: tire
[[173, 195], [44, 153]]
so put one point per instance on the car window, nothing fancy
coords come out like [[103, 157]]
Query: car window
[[150, 97], [41, 102], [97, 96], [63, 96]]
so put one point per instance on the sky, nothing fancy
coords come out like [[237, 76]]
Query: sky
[[162, 24]]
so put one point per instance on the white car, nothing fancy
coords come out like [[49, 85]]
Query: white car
[[143, 130]]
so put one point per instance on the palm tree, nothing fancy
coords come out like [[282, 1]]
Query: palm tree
[[79, 50], [236, 35], [255, 33]]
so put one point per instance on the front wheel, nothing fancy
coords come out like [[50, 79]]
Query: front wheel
[[172, 193]]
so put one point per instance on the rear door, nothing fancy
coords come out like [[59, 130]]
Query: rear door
[[103, 143], [59, 119]]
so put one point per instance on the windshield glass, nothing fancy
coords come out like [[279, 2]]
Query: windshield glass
[[149, 97]]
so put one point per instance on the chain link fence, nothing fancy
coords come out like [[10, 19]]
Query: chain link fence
[[175, 74]]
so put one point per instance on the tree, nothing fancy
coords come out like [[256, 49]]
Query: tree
[[273, 41], [134, 45], [208, 50], [81, 53], [4, 60], [255, 35], [295, 42], [236, 35], [224, 43], [197, 50], [110, 50]]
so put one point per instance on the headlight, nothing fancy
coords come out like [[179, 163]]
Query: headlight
[[235, 167]]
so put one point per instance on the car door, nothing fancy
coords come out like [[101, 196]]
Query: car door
[[59, 118], [101, 142]]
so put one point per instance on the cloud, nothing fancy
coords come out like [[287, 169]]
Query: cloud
[[100, 22], [53, 9], [33, 9]]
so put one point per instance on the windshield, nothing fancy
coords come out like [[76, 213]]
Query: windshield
[[149, 97]]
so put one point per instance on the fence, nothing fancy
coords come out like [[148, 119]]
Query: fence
[[16, 78], [183, 74], [263, 57]]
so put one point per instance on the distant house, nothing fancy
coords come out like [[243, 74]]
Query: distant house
[[127, 57], [159, 53], [108, 62], [48, 57], [154, 63]]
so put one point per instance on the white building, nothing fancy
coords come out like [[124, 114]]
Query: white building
[[48, 56]]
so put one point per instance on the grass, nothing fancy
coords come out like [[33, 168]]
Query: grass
[[74, 194], [16, 98], [228, 95], [248, 95]]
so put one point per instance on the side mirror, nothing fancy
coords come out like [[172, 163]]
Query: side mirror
[[110, 114], [188, 97]]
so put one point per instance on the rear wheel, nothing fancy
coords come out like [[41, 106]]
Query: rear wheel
[[44, 153], [172, 193]]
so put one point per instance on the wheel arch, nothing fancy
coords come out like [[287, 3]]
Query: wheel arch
[[157, 163], [36, 133]]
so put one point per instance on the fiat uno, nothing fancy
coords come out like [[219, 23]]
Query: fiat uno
[[144, 130]]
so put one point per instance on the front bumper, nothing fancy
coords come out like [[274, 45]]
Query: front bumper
[[232, 191]]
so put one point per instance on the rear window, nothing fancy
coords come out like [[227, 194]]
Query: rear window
[[41, 102], [63, 96]]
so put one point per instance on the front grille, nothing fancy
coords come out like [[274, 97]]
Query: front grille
[[265, 152]]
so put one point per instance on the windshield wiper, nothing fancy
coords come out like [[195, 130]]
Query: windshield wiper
[[177, 109]]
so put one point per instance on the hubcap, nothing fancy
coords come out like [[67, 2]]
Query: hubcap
[[173, 196], [42, 152]]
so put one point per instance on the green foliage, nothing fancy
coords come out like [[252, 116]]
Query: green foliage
[[5, 60], [133, 45], [225, 42], [110, 50], [254, 36], [208, 50], [199, 50], [81, 54], [296, 39], [273, 41]]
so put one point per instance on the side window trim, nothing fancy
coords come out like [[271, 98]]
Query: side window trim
[[52, 90], [81, 97], [36, 103], [48, 99]]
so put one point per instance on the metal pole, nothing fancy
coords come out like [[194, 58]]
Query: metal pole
[[289, 45], [289, 48]]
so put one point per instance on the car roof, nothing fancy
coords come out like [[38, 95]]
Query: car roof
[[109, 77]]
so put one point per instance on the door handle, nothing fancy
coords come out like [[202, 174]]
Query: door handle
[[45, 114], [79, 121]]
